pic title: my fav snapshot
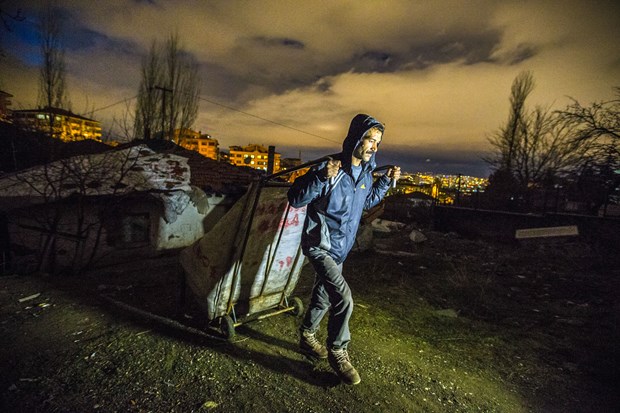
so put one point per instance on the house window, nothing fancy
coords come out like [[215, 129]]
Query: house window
[[135, 229]]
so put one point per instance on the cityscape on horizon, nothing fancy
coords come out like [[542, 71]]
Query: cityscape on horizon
[[73, 127]]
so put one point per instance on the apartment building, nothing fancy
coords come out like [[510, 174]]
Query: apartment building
[[66, 125], [196, 141], [290, 163], [253, 155]]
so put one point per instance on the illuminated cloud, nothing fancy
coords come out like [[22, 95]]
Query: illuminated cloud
[[437, 73]]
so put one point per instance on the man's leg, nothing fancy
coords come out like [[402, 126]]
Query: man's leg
[[319, 304], [331, 284], [332, 291]]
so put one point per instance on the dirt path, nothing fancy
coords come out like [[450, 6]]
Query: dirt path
[[458, 326]]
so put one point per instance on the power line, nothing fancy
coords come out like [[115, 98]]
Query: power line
[[268, 120], [233, 109], [114, 104]]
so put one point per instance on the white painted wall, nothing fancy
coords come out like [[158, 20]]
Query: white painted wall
[[191, 224]]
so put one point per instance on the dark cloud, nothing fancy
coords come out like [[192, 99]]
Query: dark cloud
[[468, 48], [262, 41], [276, 78], [435, 159], [373, 61], [436, 71], [410, 159], [519, 54]]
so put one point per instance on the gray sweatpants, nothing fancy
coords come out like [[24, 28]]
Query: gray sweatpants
[[330, 292]]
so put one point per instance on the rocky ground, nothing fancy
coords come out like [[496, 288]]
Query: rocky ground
[[447, 325]]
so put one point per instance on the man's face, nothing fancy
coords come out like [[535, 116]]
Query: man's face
[[368, 146]]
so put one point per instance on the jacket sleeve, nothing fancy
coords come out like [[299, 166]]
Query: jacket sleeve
[[378, 191], [307, 187]]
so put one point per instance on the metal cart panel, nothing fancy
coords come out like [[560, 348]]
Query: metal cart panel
[[250, 261]]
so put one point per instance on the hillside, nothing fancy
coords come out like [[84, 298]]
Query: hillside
[[452, 326]]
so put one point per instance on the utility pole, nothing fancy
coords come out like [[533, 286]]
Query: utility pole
[[458, 190], [163, 107], [271, 155]]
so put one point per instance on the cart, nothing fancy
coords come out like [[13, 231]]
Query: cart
[[247, 266]]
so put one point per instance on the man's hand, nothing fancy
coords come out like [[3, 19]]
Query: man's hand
[[394, 173], [332, 168]]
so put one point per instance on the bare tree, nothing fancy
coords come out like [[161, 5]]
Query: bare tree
[[147, 112], [531, 149], [181, 75], [73, 199], [52, 83], [506, 140], [123, 126], [6, 17], [52, 76], [168, 92], [543, 148], [595, 130]]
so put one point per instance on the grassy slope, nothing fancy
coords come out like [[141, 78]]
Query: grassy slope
[[536, 331]]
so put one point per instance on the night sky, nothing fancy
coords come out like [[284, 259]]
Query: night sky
[[438, 73]]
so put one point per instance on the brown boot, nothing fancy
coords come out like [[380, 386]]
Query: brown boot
[[340, 362], [310, 346]]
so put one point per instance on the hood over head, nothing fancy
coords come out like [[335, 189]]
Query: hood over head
[[360, 124]]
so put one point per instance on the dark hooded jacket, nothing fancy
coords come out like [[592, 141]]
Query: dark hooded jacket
[[335, 205]]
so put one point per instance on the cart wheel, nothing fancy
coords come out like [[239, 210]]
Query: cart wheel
[[298, 306], [227, 327]]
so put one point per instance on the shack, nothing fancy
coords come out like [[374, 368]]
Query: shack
[[138, 199]]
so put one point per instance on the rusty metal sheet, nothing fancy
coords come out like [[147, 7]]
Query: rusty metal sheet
[[251, 259]]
